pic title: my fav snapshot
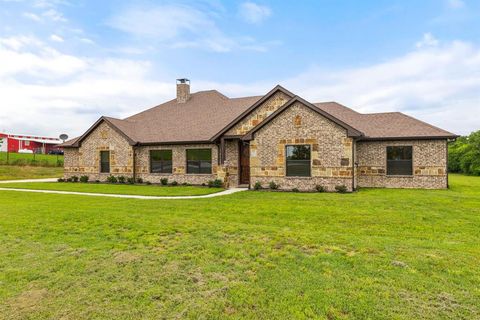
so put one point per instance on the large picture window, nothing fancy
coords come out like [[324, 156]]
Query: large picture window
[[399, 161], [199, 161], [105, 161], [161, 161], [298, 161]]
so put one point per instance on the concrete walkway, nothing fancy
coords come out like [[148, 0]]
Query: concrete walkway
[[31, 180], [127, 196]]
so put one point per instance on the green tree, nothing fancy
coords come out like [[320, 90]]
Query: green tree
[[464, 154]]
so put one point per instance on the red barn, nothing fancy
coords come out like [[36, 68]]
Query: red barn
[[27, 143]]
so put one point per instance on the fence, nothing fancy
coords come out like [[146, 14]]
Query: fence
[[31, 159]]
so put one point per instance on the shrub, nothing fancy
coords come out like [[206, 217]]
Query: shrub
[[111, 179], [130, 180], [203, 184], [139, 180], [148, 182], [273, 185], [74, 178], [174, 183], [121, 179], [61, 180], [341, 188], [84, 179], [320, 188], [217, 183], [69, 180], [164, 181], [295, 190], [257, 185], [97, 181]]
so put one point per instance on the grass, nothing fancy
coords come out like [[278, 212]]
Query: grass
[[144, 190], [375, 254], [29, 159], [27, 172]]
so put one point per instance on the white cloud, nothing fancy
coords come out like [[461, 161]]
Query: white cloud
[[179, 26], [87, 41], [455, 4], [54, 15], [428, 40], [56, 38], [32, 16], [254, 13]]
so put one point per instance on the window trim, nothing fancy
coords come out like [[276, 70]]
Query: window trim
[[150, 161], [211, 161], [109, 162], [311, 161], [386, 163]]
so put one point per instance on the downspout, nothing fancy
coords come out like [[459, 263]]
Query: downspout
[[446, 168]]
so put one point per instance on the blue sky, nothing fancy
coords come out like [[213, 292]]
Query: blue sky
[[65, 63]]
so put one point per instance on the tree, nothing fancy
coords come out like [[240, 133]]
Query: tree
[[464, 154]]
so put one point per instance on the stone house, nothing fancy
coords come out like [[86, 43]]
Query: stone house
[[277, 137]]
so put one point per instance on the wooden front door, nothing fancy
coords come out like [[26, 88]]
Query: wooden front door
[[244, 163]]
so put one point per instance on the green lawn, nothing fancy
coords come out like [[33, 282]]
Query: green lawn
[[144, 190], [31, 159], [26, 172], [375, 254]]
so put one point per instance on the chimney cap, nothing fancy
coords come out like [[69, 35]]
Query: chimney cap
[[183, 80]]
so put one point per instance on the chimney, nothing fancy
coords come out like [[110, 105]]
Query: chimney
[[183, 90]]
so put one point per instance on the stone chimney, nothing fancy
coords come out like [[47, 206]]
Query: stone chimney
[[183, 90]]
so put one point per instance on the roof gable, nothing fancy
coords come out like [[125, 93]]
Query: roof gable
[[351, 132]]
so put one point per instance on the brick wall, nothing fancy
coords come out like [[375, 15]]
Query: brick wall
[[331, 150], [85, 160], [179, 162], [429, 164]]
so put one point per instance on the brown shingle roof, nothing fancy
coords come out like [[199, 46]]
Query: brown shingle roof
[[384, 125], [206, 113]]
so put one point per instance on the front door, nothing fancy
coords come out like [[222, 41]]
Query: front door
[[244, 163]]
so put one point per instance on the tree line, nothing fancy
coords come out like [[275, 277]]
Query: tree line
[[464, 154]]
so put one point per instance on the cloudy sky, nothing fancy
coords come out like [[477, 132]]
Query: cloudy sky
[[64, 63]]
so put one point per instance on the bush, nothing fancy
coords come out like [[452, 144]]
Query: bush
[[273, 185], [130, 180], [74, 178], [84, 179], [203, 184], [174, 183], [295, 190], [61, 180], [139, 180], [97, 181], [164, 181], [320, 188], [257, 186], [69, 180], [148, 182], [121, 179], [112, 179], [217, 183], [341, 188]]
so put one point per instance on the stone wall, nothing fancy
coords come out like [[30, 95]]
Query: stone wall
[[85, 160], [179, 162], [331, 154], [231, 163], [429, 164], [259, 114]]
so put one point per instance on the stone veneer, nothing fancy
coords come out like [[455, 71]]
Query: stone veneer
[[179, 162], [429, 164], [85, 160], [331, 151], [259, 114]]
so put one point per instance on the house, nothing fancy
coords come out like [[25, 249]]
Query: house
[[277, 137], [27, 143]]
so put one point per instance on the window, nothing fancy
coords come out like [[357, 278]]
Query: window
[[199, 161], [298, 161], [104, 161], [161, 161], [399, 161]]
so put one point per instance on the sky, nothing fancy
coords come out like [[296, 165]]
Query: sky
[[65, 63]]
